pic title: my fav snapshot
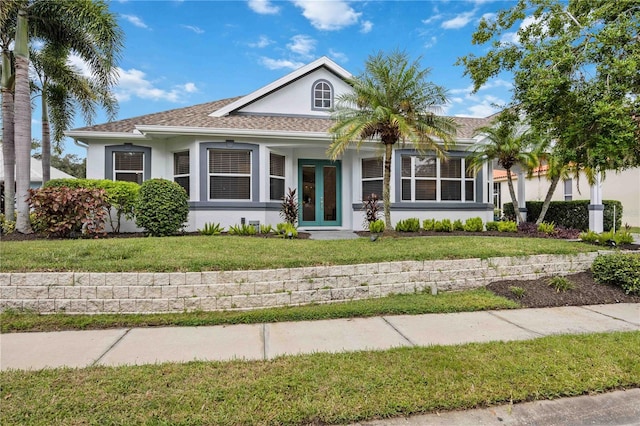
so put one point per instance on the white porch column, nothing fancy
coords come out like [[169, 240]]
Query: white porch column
[[522, 200], [596, 208]]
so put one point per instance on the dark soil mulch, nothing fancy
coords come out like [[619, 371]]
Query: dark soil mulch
[[16, 236], [539, 294]]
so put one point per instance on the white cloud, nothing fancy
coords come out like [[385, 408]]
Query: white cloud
[[366, 27], [338, 56], [190, 87], [433, 18], [136, 21], [262, 42], [276, 64], [134, 83], [77, 62], [431, 42], [193, 28], [263, 7], [489, 17], [328, 15], [302, 45], [459, 21]]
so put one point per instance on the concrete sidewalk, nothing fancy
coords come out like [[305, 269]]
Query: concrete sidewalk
[[79, 349]]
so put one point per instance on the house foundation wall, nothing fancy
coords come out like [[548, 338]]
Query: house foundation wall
[[144, 292]]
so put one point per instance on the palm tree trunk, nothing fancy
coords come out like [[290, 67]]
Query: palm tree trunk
[[22, 125], [46, 140], [514, 200], [547, 199], [386, 186], [8, 146]]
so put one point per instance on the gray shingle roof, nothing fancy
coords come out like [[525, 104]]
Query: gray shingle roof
[[198, 116]]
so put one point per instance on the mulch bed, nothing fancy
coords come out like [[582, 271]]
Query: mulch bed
[[539, 294]]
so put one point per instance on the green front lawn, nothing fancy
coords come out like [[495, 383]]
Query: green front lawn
[[409, 304], [324, 388], [202, 253]]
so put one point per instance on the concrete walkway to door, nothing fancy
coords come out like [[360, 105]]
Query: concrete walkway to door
[[332, 235]]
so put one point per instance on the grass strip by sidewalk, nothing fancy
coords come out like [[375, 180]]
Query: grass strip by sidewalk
[[324, 388], [202, 253], [420, 303]]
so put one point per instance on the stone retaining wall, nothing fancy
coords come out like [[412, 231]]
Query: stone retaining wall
[[141, 292]]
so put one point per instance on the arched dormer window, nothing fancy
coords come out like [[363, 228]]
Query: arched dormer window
[[322, 95]]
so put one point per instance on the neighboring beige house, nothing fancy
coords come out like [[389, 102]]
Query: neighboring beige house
[[623, 187]]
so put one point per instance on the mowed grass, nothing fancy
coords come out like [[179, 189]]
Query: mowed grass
[[324, 388], [202, 253], [409, 304]]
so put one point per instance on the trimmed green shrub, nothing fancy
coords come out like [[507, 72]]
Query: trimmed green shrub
[[63, 211], [589, 237], [428, 224], [377, 226], [411, 224], [443, 225], [569, 214], [547, 228], [473, 224], [492, 226], [619, 269], [266, 229], [120, 196], [162, 207], [606, 238], [507, 226], [457, 225]]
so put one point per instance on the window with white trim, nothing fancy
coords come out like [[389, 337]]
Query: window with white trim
[[432, 179], [372, 174], [229, 174], [181, 170], [276, 176], [128, 166], [568, 189], [322, 95]]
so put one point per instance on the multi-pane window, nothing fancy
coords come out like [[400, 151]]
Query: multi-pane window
[[371, 177], [497, 196], [431, 179], [322, 95], [568, 190], [128, 166], [181, 169], [229, 174], [276, 176]]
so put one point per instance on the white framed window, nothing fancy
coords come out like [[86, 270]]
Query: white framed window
[[497, 196], [276, 176], [568, 189], [432, 179], [128, 166], [372, 176], [181, 169], [322, 95], [229, 174]]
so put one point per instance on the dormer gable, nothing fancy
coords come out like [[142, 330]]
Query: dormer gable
[[308, 91]]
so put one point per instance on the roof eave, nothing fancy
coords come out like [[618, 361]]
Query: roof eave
[[88, 134], [203, 131]]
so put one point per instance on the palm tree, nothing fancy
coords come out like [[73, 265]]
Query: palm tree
[[86, 28], [391, 102], [64, 90], [7, 29], [507, 144]]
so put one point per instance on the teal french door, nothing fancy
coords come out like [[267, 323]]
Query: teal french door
[[319, 196]]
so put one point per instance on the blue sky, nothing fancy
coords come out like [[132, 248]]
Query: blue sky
[[179, 53]]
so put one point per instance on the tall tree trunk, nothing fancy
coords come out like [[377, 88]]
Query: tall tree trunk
[[22, 125], [547, 199], [514, 200], [8, 147], [46, 139], [386, 186]]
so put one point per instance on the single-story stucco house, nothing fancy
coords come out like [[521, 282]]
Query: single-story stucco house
[[237, 157]]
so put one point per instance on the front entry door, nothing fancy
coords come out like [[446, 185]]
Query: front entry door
[[319, 194]]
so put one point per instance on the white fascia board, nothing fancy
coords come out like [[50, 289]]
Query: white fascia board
[[323, 61], [271, 134], [84, 134]]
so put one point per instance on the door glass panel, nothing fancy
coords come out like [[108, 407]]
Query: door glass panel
[[308, 193], [330, 207]]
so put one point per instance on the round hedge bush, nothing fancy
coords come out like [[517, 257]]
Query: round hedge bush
[[162, 207]]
